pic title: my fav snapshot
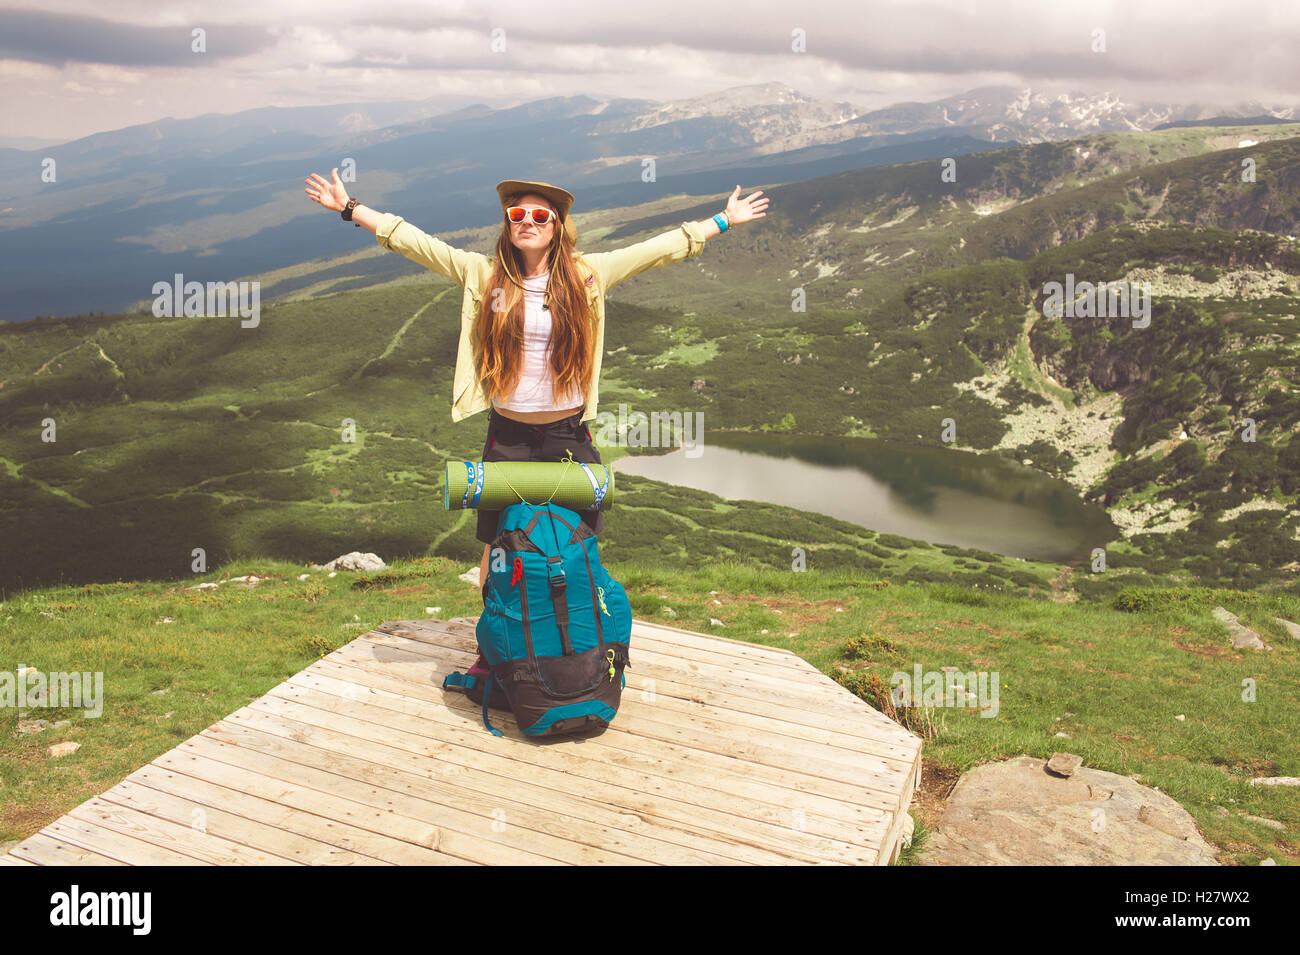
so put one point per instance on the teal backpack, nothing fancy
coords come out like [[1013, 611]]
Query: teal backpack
[[555, 627]]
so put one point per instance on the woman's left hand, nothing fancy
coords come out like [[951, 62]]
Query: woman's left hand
[[742, 210]]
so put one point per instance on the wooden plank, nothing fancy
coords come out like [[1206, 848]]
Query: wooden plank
[[314, 707], [250, 839], [431, 798], [40, 849], [288, 810], [8, 859], [891, 845], [865, 769], [397, 813], [94, 825], [486, 771], [173, 816], [695, 638]]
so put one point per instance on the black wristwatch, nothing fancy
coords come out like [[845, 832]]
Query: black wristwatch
[[347, 212]]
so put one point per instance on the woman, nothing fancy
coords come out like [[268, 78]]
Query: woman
[[532, 319]]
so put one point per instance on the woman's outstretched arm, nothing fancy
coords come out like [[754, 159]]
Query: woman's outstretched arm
[[456, 264], [674, 245]]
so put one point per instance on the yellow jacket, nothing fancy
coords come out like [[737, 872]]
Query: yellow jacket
[[473, 270]]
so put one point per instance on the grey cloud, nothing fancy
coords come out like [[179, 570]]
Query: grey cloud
[[58, 39]]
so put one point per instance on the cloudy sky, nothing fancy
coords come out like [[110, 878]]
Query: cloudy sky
[[69, 68]]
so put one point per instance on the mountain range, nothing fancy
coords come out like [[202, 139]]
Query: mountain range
[[219, 197]]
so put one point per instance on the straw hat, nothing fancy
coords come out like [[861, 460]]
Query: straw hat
[[561, 199]]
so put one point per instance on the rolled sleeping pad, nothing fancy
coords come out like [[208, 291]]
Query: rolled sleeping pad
[[495, 485]]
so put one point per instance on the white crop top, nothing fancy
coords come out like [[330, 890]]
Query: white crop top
[[535, 391]]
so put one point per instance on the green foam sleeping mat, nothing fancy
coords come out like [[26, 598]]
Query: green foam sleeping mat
[[495, 485]]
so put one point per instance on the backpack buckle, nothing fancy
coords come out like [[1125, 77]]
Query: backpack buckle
[[555, 572]]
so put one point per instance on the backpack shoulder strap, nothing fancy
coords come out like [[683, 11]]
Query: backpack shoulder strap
[[487, 693]]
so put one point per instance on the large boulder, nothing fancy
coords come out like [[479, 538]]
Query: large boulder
[[1017, 813]]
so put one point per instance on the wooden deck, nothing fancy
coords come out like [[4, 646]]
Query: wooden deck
[[723, 752]]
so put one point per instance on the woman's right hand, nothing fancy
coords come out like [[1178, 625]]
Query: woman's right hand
[[330, 195]]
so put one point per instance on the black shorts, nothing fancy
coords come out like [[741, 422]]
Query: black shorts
[[511, 440]]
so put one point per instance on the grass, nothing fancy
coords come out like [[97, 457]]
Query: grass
[[1113, 679]]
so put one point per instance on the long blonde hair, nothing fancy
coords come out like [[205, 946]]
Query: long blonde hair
[[499, 339]]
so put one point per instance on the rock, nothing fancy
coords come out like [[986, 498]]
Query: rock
[[715, 622], [26, 727], [1268, 862], [357, 561], [1063, 764], [304, 576], [1271, 823], [64, 749], [162, 692], [697, 384], [1181, 718], [1016, 813], [1242, 637], [432, 610], [762, 631], [717, 602], [1062, 736], [471, 576], [1276, 781], [1291, 628], [909, 828], [713, 593], [166, 620], [669, 612], [1162, 820], [209, 585]]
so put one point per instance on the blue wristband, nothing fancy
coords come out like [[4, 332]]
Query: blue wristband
[[721, 221]]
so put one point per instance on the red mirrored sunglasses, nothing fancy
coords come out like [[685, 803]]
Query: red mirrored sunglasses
[[519, 213]]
